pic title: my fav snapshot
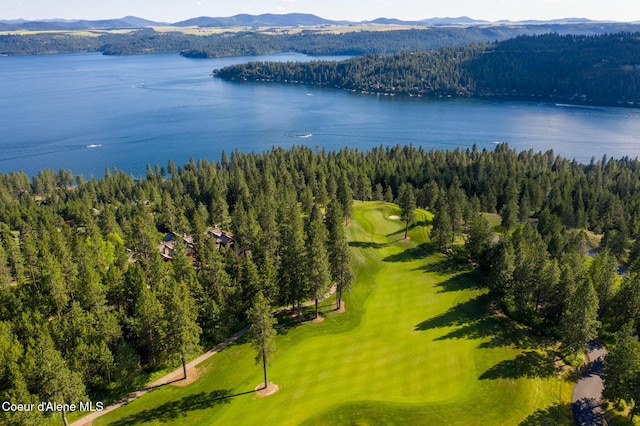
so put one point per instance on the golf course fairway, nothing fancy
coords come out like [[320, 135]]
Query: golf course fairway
[[416, 345]]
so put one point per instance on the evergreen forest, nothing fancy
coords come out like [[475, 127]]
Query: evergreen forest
[[591, 70], [89, 307], [308, 41]]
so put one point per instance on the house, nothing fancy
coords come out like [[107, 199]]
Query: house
[[166, 246], [223, 238]]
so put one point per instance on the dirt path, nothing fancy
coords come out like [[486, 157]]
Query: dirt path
[[177, 374], [587, 395]]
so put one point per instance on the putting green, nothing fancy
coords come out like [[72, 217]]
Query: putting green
[[416, 345]]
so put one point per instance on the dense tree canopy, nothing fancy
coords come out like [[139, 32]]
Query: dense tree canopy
[[82, 278], [600, 70]]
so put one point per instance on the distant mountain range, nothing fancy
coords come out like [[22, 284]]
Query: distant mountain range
[[244, 20], [68, 25], [265, 20]]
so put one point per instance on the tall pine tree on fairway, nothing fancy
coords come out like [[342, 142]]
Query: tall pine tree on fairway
[[262, 332], [407, 202]]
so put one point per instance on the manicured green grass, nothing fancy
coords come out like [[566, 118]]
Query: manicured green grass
[[416, 346]]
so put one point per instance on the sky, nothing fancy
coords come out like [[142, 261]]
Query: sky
[[352, 10]]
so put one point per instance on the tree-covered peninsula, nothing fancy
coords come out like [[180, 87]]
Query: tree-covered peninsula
[[592, 70]]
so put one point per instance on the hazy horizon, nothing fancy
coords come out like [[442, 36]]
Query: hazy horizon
[[320, 16], [358, 10]]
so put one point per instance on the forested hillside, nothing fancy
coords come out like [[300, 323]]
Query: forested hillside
[[600, 70], [312, 42], [87, 303]]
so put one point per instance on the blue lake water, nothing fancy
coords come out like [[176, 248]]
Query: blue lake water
[[85, 112]]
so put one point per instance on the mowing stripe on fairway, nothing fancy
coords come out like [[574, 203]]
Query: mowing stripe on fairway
[[416, 346]]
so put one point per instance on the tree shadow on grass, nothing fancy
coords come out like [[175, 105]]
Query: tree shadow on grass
[[419, 252], [445, 266], [557, 414], [504, 335], [474, 330], [460, 282], [367, 244], [464, 313], [170, 411], [530, 364], [288, 320], [414, 225], [475, 322]]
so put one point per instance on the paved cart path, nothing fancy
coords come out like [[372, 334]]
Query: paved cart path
[[587, 395], [177, 374]]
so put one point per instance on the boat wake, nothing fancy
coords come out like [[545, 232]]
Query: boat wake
[[308, 135], [93, 145]]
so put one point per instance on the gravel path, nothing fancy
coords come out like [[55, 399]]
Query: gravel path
[[587, 395]]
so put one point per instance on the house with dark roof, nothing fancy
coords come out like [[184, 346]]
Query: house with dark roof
[[167, 245]]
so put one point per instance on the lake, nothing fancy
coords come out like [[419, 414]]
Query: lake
[[85, 112]]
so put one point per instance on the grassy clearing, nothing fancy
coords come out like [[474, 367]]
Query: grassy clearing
[[416, 346], [494, 219]]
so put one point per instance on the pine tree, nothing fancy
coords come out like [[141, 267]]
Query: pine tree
[[13, 386], [479, 241], [145, 241], [501, 277], [579, 323], [338, 250], [509, 214], [317, 258], [149, 324], [292, 279], [627, 302], [262, 333], [215, 312], [388, 194], [603, 273], [456, 200], [183, 332], [442, 230], [345, 196], [407, 202], [378, 195], [622, 366], [50, 374]]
